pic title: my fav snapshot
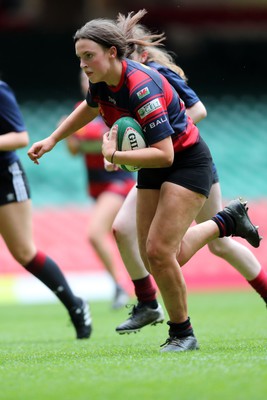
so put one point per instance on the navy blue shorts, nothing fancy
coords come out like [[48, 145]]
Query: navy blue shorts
[[14, 186], [191, 168]]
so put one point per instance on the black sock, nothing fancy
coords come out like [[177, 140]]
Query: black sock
[[180, 330], [225, 223], [47, 271], [151, 304]]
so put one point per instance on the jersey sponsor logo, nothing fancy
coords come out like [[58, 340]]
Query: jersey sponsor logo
[[142, 93], [158, 122], [149, 108]]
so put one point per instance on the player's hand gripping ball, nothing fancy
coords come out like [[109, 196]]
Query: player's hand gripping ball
[[130, 137]]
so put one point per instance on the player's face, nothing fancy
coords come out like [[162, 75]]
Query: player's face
[[95, 60]]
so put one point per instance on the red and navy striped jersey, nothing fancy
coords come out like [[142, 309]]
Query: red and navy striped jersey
[[147, 96]]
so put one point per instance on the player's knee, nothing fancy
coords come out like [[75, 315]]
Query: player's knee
[[116, 232], [23, 255], [119, 230], [123, 235], [157, 255], [218, 247], [95, 238]]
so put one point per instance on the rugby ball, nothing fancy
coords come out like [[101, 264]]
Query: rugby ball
[[130, 137]]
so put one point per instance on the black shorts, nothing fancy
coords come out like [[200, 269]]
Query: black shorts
[[191, 168], [14, 186]]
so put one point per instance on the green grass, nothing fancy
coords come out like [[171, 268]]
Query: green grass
[[39, 359]]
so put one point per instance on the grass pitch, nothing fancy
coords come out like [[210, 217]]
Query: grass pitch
[[41, 360]]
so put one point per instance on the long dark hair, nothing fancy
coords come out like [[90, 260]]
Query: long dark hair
[[106, 33]]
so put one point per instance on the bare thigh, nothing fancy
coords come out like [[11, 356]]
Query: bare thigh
[[212, 205], [164, 217], [16, 230]]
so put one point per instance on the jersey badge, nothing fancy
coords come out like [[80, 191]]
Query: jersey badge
[[142, 93], [149, 108]]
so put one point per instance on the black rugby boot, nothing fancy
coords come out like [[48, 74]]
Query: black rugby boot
[[243, 226]]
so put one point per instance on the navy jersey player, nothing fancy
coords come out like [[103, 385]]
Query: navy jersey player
[[147, 50], [176, 169], [15, 214]]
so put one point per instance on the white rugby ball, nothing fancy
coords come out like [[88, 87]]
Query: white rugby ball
[[130, 137]]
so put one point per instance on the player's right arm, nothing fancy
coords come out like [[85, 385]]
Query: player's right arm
[[81, 116], [194, 106], [197, 112]]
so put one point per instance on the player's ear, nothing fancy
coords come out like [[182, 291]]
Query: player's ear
[[144, 56], [113, 52]]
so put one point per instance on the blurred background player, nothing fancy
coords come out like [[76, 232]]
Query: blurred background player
[[108, 189], [16, 214], [147, 51]]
